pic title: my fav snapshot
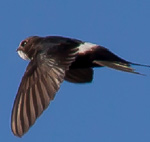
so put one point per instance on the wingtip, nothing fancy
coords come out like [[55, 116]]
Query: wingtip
[[136, 64], [120, 66]]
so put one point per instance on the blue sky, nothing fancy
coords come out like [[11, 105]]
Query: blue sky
[[115, 107]]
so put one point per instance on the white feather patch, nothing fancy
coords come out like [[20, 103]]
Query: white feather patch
[[23, 55], [87, 46]]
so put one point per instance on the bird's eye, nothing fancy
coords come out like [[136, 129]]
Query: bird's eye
[[23, 43]]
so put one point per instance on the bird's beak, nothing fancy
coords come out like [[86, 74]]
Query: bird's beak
[[21, 53], [19, 48]]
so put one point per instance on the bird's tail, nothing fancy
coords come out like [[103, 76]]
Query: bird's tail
[[120, 66]]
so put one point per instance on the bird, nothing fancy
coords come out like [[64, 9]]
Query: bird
[[53, 59]]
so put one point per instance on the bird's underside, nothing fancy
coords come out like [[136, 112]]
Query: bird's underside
[[52, 60]]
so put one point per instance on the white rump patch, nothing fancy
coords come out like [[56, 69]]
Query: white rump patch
[[87, 46], [23, 55]]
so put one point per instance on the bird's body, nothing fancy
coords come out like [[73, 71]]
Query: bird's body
[[52, 60]]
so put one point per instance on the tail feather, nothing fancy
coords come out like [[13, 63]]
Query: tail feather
[[126, 67], [139, 64]]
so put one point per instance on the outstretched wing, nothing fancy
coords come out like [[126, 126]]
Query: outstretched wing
[[38, 87]]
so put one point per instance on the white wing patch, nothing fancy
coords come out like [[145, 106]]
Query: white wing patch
[[23, 55], [87, 46]]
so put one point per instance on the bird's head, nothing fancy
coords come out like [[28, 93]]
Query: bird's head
[[28, 48]]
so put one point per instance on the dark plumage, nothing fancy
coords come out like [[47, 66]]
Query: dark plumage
[[52, 60]]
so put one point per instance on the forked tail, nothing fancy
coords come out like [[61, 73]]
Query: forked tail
[[120, 66]]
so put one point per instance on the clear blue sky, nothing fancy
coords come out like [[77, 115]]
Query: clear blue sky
[[115, 107]]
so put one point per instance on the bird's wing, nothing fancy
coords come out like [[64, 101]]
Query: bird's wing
[[38, 87], [84, 75], [117, 65], [109, 59]]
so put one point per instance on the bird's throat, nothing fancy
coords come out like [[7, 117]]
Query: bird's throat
[[23, 55]]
